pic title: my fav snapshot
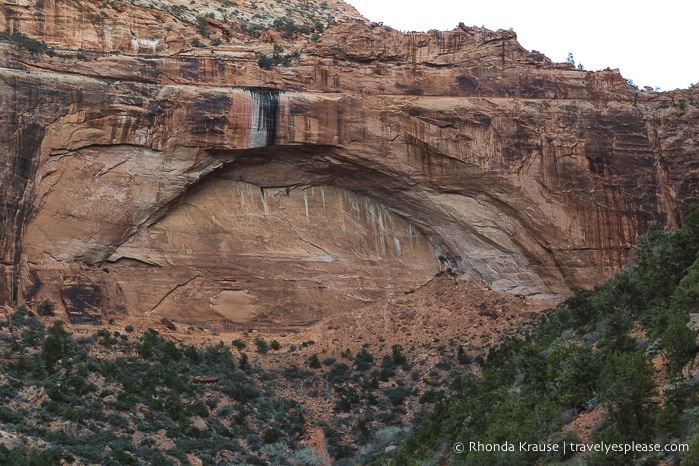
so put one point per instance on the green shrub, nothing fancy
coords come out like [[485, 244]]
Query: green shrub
[[198, 408], [118, 420], [170, 353], [24, 41], [262, 346], [431, 396], [174, 406], [397, 395], [627, 389], [691, 458], [397, 355], [679, 342], [243, 362], [339, 373], [46, 308], [336, 447], [201, 26], [346, 398], [288, 25], [146, 350], [294, 373], [122, 457], [329, 361], [43, 458], [52, 352], [388, 368], [685, 297], [192, 354], [278, 58], [364, 360], [238, 343], [664, 258], [271, 435], [462, 357], [313, 362], [241, 391], [573, 372]]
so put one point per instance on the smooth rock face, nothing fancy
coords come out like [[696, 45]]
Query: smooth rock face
[[193, 185], [241, 252]]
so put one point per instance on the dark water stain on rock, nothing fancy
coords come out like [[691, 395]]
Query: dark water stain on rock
[[15, 207], [267, 112], [82, 303], [209, 114]]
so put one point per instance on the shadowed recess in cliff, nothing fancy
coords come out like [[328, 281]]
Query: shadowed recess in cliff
[[281, 198], [466, 221], [283, 253], [457, 219]]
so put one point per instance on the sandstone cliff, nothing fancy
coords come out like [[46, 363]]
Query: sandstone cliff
[[143, 173]]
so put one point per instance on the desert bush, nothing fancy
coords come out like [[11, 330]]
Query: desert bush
[[462, 357], [627, 388], [261, 345], [24, 41], [431, 396], [397, 355], [271, 435], [346, 398], [573, 372], [279, 58], [364, 360], [396, 395], [329, 361], [46, 308], [336, 447], [338, 373], [198, 408], [238, 343], [313, 362], [243, 362], [679, 342], [118, 420], [306, 456], [388, 368]]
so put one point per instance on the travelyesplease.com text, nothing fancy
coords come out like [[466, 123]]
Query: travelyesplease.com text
[[569, 447]]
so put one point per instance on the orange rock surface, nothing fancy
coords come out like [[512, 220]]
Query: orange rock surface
[[143, 174]]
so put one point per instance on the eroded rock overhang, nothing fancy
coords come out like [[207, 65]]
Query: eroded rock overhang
[[485, 184]]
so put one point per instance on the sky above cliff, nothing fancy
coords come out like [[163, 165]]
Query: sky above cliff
[[651, 46]]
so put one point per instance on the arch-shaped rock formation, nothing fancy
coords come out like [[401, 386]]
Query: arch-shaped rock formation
[[443, 149]]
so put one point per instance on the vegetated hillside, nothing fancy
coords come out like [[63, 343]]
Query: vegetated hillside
[[166, 26], [621, 353], [611, 364], [344, 390]]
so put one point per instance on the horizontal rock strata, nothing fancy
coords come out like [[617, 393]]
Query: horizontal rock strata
[[194, 185]]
